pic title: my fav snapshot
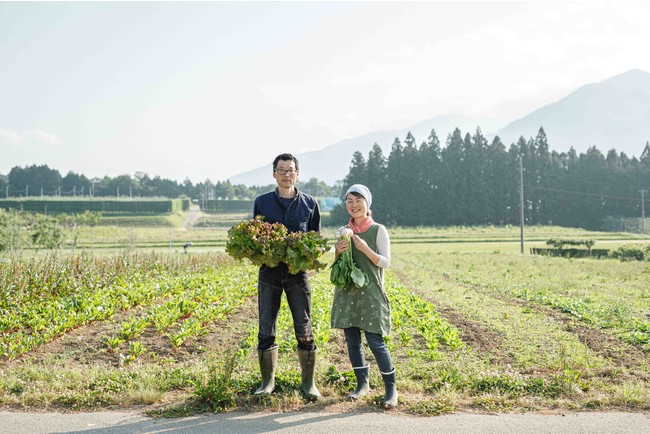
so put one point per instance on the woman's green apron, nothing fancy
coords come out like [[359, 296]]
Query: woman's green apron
[[366, 308]]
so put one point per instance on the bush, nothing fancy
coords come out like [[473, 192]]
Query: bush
[[630, 252], [559, 243], [19, 229], [46, 232], [218, 393], [557, 248]]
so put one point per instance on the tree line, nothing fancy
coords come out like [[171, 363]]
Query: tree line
[[471, 181], [41, 180], [468, 181]]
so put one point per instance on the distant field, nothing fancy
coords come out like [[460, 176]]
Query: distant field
[[211, 220], [476, 327], [209, 233], [105, 205]]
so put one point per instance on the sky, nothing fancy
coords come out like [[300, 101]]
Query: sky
[[208, 90]]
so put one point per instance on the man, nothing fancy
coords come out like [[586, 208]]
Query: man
[[298, 212]]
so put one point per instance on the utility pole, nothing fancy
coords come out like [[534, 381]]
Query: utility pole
[[642, 211], [11, 233], [521, 201]]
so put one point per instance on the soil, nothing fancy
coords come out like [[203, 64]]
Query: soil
[[479, 337], [487, 341], [483, 339], [86, 345]]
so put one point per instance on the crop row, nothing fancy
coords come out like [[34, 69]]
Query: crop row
[[45, 298], [185, 313], [411, 316], [411, 311], [612, 297], [616, 317]]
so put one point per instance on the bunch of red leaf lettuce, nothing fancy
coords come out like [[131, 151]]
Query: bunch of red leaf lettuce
[[265, 243]]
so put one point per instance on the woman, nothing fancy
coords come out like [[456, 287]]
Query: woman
[[367, 308]]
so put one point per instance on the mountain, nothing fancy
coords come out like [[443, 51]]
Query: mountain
[[325, 164], [612, 114]]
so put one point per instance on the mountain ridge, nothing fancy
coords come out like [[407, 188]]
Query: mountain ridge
[[619, 106], [610, 114]]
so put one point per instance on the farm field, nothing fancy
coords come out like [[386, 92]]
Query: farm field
[[168, 233], [476, 327]]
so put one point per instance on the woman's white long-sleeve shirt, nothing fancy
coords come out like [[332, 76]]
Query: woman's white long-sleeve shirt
[[383, 247]]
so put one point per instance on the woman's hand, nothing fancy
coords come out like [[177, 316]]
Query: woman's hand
[[360, 244], [341, 246], [364, 248]]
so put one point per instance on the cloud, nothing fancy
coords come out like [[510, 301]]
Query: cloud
[[29, 138], [395, 74], [11, 138]]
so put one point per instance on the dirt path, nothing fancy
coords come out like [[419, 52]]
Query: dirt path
[[193, 215]]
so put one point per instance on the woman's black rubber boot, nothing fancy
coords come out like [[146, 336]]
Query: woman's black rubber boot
[[390, 397], [363, 386]]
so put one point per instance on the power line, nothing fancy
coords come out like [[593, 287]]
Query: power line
[[584, 181], [579, 193], [566, 177]]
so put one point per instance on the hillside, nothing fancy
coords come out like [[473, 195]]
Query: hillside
[[609, 114], [331, 164]]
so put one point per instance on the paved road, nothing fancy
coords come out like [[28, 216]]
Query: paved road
[[323, 422]]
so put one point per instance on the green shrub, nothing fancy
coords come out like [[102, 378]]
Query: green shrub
[[218, 393], [630, 252], [558, 243]]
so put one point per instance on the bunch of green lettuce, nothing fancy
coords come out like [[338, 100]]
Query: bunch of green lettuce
[[271, 243], [303, 251], [344, 272]]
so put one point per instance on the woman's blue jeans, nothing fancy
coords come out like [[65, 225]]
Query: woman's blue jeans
[[376, 344], [271, 283]]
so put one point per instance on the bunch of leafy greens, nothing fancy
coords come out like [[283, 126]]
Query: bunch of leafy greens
[[261, 242], [303, 251], [344, 272], [269, 244]]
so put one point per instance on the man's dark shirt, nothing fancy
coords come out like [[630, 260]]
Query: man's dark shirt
[[301, 214]]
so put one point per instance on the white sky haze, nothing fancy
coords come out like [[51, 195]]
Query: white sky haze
[[212, 89]]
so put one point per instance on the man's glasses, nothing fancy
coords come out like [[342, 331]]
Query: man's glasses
[[289, 172], [350, 202]]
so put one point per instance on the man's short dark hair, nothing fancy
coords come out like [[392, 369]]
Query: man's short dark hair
[[285, 157]]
